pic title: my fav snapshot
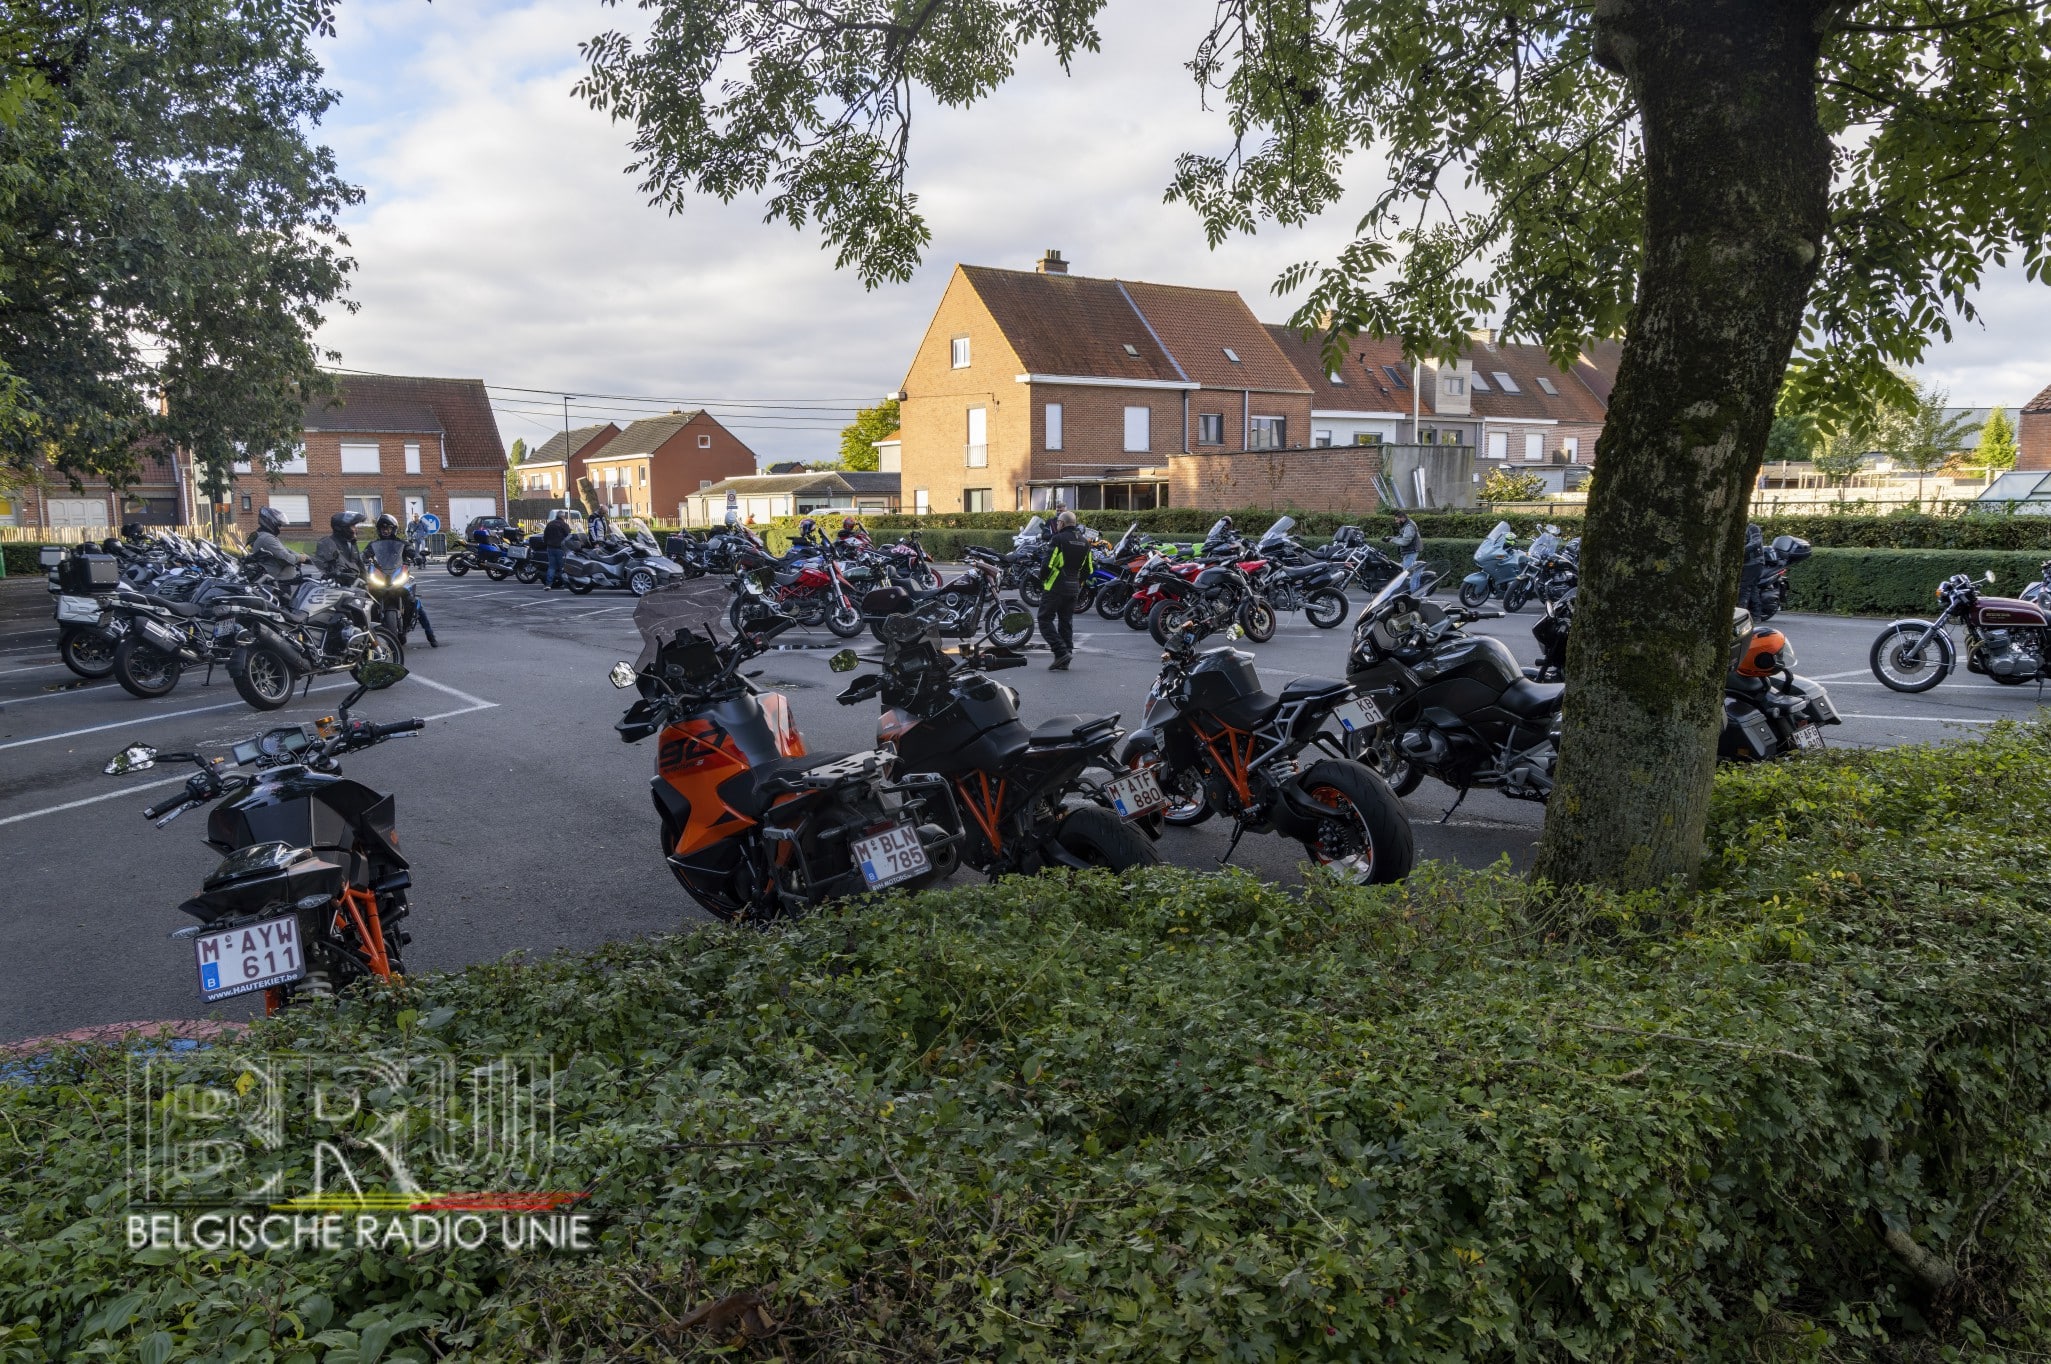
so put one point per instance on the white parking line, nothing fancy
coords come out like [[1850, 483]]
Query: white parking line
[[476, 703], [91, 800], [150, 718], [1932, 719], [80, 688], [33, 668]]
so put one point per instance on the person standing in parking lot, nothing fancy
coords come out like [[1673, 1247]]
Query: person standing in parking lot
[[555, 539], [1407, 541], [1068, 559]]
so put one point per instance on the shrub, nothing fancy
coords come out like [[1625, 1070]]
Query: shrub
[[1802, 1113], [1898, 582], [22, 560]]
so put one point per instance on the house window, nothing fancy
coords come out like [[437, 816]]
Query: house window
[[1053, 426], [958, 352], [1367, 438], [1395, 376], [1337, 378], [295, 508], [976, 500], [920, 504], [1232, 355], [1505, 382], [1427, 435], [1210, 428], [1572, 446], [705, 442], [1132, 350], [1321, 439], [1480, 384], [1139, 429], [1269, 433], [1452, 385], [1453, 437], [641, 475], [297, 463], [1498, 445], [359, 459], [372, 505], [245, 501], [1534, 447], [977, 448], [1546, 384], [412, 456]]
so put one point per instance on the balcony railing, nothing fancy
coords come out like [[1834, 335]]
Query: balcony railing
[[978, 456]]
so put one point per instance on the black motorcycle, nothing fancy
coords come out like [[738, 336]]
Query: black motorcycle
[[161, 637], [964, 607], [87, 632], [1219, 597], [1289, 578], [1022, 790], [1552, 569], [1781, 554], [311, 888], [324, 628], [1217, 743], [388, 578]]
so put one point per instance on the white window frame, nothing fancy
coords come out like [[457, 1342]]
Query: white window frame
[[1572, 445], [1534, 447], [370, 513], [704, 440], [1139, 430], [1055, 433], [355, 449], [1321, 439], [1452, 385], [920, 502], [285, 502], [1498, 445], [989, 496], [976, 439], [296, 464], [412, 456], [958, 352]]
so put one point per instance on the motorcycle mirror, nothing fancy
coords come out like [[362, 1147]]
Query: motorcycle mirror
[[134, 758], [1990, 575], [846, 661], [1013, 622], [375, 674], [621, 675]]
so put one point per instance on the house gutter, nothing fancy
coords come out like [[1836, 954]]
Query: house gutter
[[1092, 381]]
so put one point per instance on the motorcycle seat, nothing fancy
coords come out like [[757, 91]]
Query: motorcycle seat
[[1308, 688], [176, 608], [1532, 700], [1068, 729], [1305, 570], [755, 790]]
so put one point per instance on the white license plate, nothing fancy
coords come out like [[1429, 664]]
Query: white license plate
[[1808, 736], [236, 961], [1135, 793], [83, 610], [516, 552], [891, 856], [1354, 716]]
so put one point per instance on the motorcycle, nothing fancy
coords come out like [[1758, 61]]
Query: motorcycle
[[311, 888], [87, 632], [811, 590], [325, 629], [497, 559], [1499, 562], [1022, 789], [161, 637], [1782, 552], [1025, 565], [1550, 570], [753, 827], [1219, 596], [1118, 572], [1289, 579], [635, 564], [1216, 743], [2005, 639], [1155, 582], [388, 578], [963, 608]]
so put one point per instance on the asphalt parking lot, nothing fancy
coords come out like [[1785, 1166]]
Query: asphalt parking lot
[[528, 821]]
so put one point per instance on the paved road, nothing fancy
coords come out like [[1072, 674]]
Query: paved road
[[528, 821]]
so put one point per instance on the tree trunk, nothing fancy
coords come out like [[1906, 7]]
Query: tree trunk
[[1737, 177]]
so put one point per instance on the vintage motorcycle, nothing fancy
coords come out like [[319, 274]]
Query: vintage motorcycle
[[2005, 639], [311, 888], [754, 828]]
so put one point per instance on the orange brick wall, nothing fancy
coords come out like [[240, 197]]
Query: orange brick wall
[[324, 484], [1340, 478], [933, 416], [2033, 441]]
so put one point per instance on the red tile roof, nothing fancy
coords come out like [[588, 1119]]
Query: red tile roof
[[1199, 326], [585, 440], [2040, 403], [1526, 365], [457, 409], [1071, 325], [1365, 386]]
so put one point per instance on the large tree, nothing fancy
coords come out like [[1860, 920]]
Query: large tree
[[1725, 183], [858, 438], [167, 232]]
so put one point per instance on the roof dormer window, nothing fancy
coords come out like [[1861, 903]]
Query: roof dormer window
[[1337, 378], [1231, 354], [1132, 350], [1476, 383], [1546, 384], [1505, 382], [1396, 376]]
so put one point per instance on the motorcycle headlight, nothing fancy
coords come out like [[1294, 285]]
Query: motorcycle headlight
[[403, 578], [376, 578]]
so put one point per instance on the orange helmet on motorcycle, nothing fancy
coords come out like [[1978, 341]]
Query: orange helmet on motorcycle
[[1766, 653]]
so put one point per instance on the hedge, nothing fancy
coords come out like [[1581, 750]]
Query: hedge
[[1899, 582], [1800, 1114]]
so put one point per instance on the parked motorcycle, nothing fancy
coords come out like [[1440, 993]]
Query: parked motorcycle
[[311, 888], [1498, 564], [326, 628], [2005, 639], [497, 559], [964, 607], [161, 637], [1117, 573], [1289, 579], [1154, 582], [1216, 743], [1217, 597], [753, 827], [87, 633], [635, 564], [1782, 552], [811, 590], [1021, 789], [1551, 569]]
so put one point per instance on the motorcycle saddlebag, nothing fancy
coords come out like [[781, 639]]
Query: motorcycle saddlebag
[[1820, 708], [1745, 727], [84, 575], [886, 601]]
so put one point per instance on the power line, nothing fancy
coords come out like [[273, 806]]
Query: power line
[[557, 394]]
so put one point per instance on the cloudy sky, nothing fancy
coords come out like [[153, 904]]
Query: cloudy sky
[[501, 238]]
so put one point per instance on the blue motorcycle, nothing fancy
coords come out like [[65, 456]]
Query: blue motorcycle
[[1498, 564]]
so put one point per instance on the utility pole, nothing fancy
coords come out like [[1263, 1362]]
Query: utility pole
[[567, 475]]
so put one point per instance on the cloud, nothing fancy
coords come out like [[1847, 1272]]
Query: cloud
[[502, 239]]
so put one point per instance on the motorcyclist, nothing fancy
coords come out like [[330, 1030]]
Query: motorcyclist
[[267, 553], [555, 541], [599, 527], [1068, 566], [388, 530], [336, 556], [1407, 541], [852, 536]]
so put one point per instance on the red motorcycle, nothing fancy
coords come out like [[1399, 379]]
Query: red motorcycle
[[1153, 583], [2005, 639], [812, 591]]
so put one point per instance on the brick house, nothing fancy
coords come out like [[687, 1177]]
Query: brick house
[[649, 469], [557, 463], [385, 443], [2033, 433], [156, 498]]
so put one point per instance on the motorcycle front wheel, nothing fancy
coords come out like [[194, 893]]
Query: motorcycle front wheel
[[495, 573], [1167, 618], [1002, 638], [1257, 619], [744, 612], [641, 581], [1032, 594], [1136, 612], [1097, 837], [1111, 600], [1514, 597], [1326, 608], [89, 653], [144, 670], [582, 587], [844, 619], [1901, 666], [1473, 595], [1367, 839]]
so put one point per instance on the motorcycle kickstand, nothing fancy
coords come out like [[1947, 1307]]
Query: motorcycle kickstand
[[1238, 830], [1457, 801]]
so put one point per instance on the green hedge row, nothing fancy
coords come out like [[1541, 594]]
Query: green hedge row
[[22, 560], [1899, 582], [1802, 1114]]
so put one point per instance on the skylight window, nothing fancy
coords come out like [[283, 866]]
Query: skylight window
[[1395, 376], [1505, 382], [1546, 384], [1132, 350], [1231, 354], [1337, 378], [1480, 385]]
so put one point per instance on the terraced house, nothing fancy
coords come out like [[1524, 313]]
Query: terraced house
[[649, 469]]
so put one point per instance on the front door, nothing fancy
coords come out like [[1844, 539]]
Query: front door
[[414, 506]]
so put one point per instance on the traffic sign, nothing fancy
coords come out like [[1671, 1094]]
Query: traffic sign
[[430, 523]]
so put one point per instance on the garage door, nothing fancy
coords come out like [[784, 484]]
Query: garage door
[[464, 510], [76, 511]]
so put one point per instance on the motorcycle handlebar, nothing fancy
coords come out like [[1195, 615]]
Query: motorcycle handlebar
[[157, 811], [396, 727]]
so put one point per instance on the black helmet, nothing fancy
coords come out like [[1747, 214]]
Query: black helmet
[[344, 524], [134, 531], [270, 519], [387, 524]]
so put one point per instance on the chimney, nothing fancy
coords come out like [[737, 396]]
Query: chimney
[[1052, 264], [1485, 335]]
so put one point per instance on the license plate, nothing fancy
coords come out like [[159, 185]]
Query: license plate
[[82, 610], [238, 961], [1135, 793], [1354, 716], [516, 552], [1808, 736], [891, 856]]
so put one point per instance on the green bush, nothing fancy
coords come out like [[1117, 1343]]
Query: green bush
[[22, 560], [1176, 1115], [1898, 582]]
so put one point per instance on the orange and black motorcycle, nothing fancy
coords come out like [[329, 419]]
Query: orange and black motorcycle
[[753, 827]]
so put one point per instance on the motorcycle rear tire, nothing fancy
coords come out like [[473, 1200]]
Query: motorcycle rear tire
[[1473, 595], [740, 619], [1112, 599], [458, 565], [580, 587], [1195, 805], [1257, 619], [1136, 612], [89, 653], [1514, 598], [1378, 754], [529, 572], [1167, 617], [145, 671], [1099, 838], [1085, 597], [495, 573], [1326, 608], [263, 675], [1377, 820]]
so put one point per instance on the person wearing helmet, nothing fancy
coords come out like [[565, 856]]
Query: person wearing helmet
[[336, 556], [389, 556], [267, 553], [134, 532]]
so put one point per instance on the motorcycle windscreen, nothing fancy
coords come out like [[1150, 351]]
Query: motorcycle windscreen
[[697, 604], [1492, 548], [1546, 545], [1219, 529], [388, 555], [1124, 545], [1034, 529], [1279, 531]]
